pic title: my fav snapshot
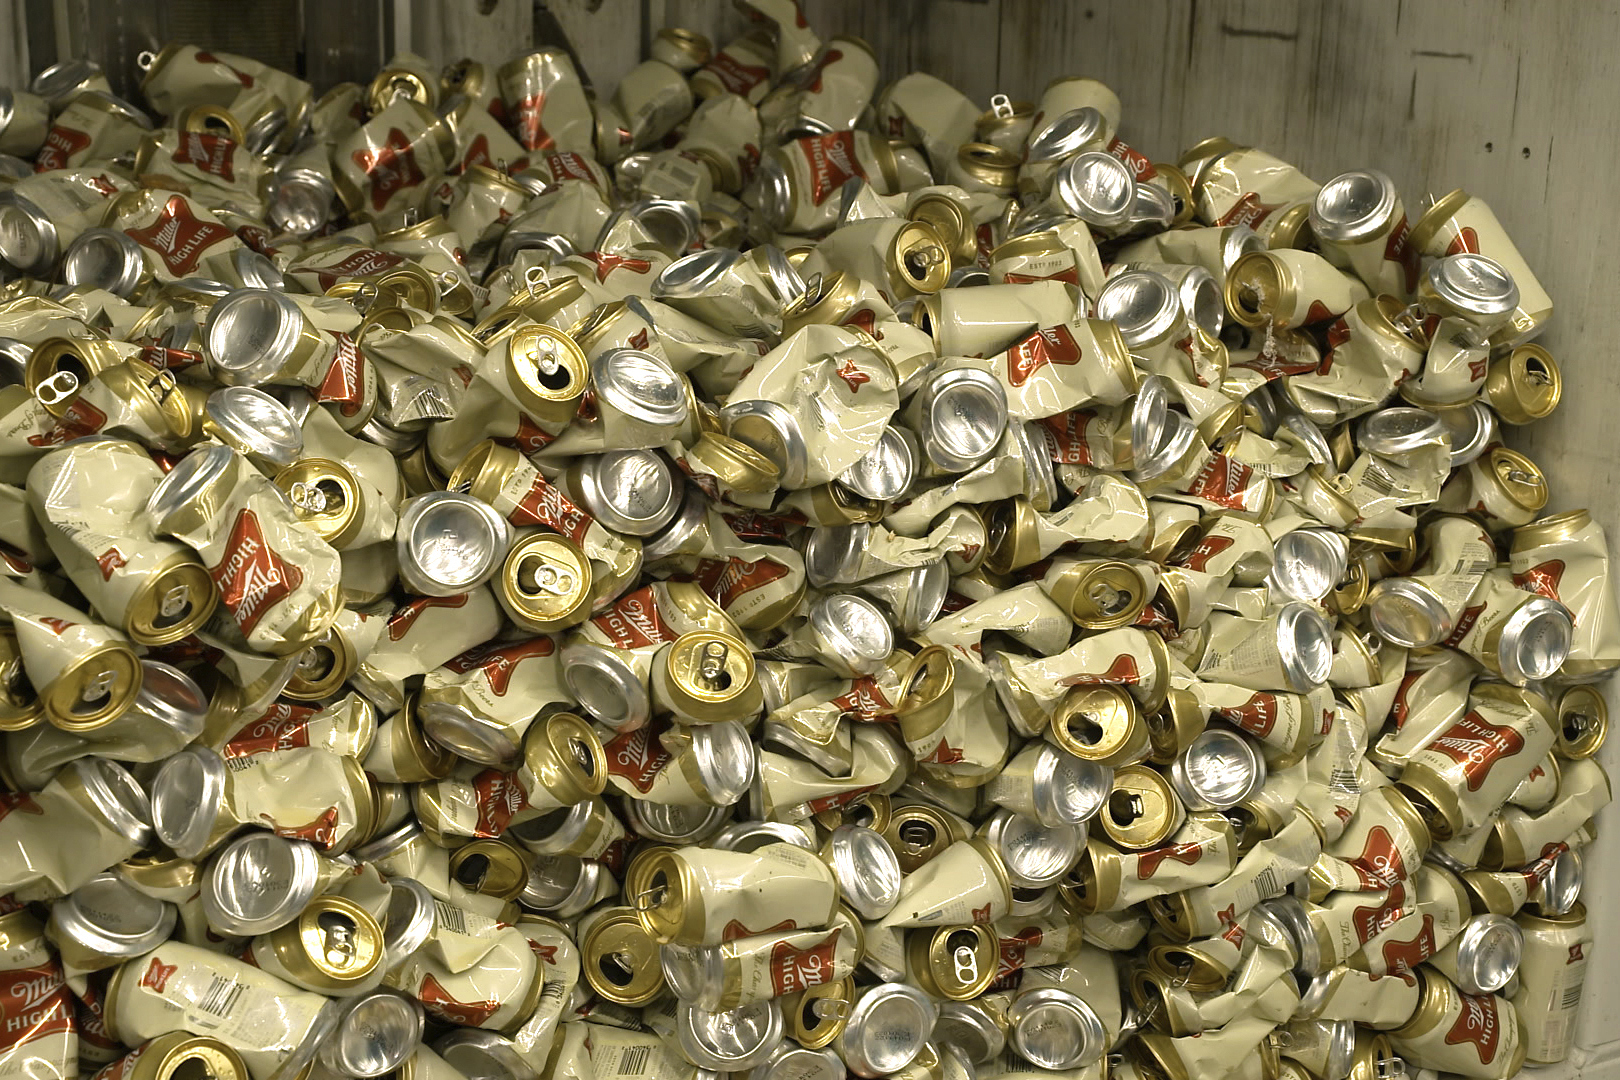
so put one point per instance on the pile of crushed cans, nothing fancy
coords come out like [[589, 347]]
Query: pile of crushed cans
[[767, 574]]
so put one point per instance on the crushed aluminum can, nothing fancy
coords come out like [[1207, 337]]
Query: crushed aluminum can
[[884, 1029]]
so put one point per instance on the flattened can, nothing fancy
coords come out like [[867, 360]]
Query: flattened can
[[43, 1039], [1460, 222], [736, 973]]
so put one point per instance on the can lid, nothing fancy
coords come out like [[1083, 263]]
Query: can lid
[[547, 578], [867, 869], [488, 1055], [885, 471], [790, 1061], [112, 918], [1056, 1029], [64, 76], [1399, 430], [641, 386], [621, 960], [968, 1028], [546, 372], [692, 515], [188, 480], [1067, 134], [773, 431], [491, 867], [1407, 612], [1153, 205], [1035, 855], [820, 1012], [670, 824], [690, 969], [629, 491], [1308, 563], [1472, 284], [964, 412], [1289, 912], [732, 1041], [187, 794], [886, 1029], [1068, 790], [258, 882], [725, 760], [1305, 642], [1178, 437], [1237, 242], [1583, 722], [1141, 809], [1561, 887], [1353, 207], [1143, 303], [255, 270], [254, 423], [250, 334], [375, 1034], [690, 276], [1097, 188], [449, 543], [913, 596], [605, 684], [1534, 641], [1218, 770], [1201, 297], [104, 259], [1488, 951], [1096, 722], [1472, 428], [28, 238], [854, 628], [832, 552], [407, 922], [326, 497]]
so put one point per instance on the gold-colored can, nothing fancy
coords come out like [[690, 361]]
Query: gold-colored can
[[1098, 594], [1142, 810], [20, 706], [1583, 723], [815, 1017], [1524, 385], [177, 1055], [492, 867], [620, 958], [953, 962], [918, 832], [334, 947], [545, 583], [706, 677], [1101, 724], [1477, 1036]]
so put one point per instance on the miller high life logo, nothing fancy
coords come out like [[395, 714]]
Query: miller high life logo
[[1257, 716], [1122, 671], [1233, 931], [852, 375], [1398, 249], [1465, 621], [1052, 345], [389, 168], [1337, 334], [1477, 1024], [1148, 862], [179, 236], [864, 700], [1141, 168], [544, 504], [832, 162], [823, 803], [18, 801], [34, 1003], [943, 754], [164, 358], [55, 625], [1223, 481], [753, 525], [1466, 240], [1319, 312], [357, 263], [108, 561], [443, 1006], [500, 662], [1380, 865], [401, 621], [567, 165], [81, 418], [284, 726], [1477, 744], [798, 969], [322, 832], [529, 437], [736, 76], [1066, 437], [638, 756], [1400, 709], [607, 262], [726, 581], [344, 383], [1014, 949], [1248, 210], [1373, 919], [1403, 957], [1208, 547], [211, 154], [500, 797], [1543, 578], [61, 143], [735, 929], [251, 577], [240, 76], [157, 974], [527, 123], [980, 915], [635, 622]]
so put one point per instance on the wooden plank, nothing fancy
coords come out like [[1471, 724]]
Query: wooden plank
[[448, 30], [14, 69], [606, 36]]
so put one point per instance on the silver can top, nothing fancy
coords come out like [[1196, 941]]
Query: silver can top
[[1056, 1029], [1035, 855], [301, 203], [546, 878], [969, 1030], [1200, 296], [668, 824], [914, 596], [1142, 303], [630, 491], [886, 1029], [467, 734], [256, 424], [109, 916], [408, 922], [1067, 135], [449, 543], [64, 77], [1238, 242], [1488, 951], [964, 413], [1562, 886], [255, 270], [1151, 206], [772, 430], [375, 1034], [790, 1061], [771, 192], [753, 835], [692, 515], [867, 869], [186, 797], [250, 334], [1407, 613], [1305, 642], [14, 356], [732, 1041], [690, 276], [1353, 206], [259, 881], [641, 386], [1472, 428], [28, 238], [1218, 770], [1177, 434], [1097, 188], [1289, 913], [784, 278], [605, 685], [725, 760], [692, 971], [1473, 283], [1399, 430], [885, 471], [188, 479], [1308, 563], [1068, 790], [855, 630], [833, 552], [672, 224], [169, 697], [488, 1055], [104, 259], [1535, 641]]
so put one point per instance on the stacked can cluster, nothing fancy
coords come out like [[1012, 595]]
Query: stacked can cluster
[[768, 573]]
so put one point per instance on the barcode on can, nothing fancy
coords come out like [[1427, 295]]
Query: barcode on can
[[633, 1060], [246, 761], [1343, 779], [1266, 884], [1572, 996], [1374, 476], [221, 996], [450, 918]]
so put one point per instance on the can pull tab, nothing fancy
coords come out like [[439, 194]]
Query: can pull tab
[[536, 280], [99, 686], [308, 497], [549, 580], [711, 666], [145, 59], [1389, 1068], [829, 1008], [163, 384], [1107, 599], [649, 899], [175, 602], [56, 389], [1001, 105]]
